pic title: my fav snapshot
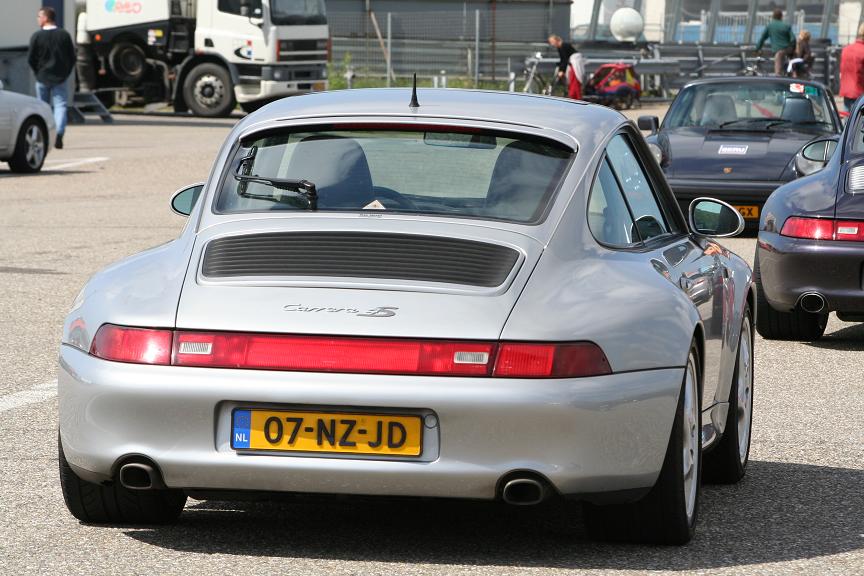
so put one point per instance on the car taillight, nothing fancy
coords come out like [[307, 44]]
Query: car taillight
[[326, 354], [823, 229], [134, 345], [349, 355], [526, 360]]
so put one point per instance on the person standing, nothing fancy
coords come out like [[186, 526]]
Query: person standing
[[565, 51], [782, 40], [852, 70], [52, 59]]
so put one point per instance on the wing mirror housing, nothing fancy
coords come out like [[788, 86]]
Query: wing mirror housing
[[184, 199], [814, 156], [651, 123], [715, 218]]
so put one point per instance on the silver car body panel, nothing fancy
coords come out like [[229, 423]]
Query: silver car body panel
[[643, 307], [14, 110]]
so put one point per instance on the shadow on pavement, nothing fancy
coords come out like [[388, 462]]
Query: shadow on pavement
[[779, 512], [850, 338]]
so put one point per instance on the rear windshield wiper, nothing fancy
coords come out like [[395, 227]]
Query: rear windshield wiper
[[303, 187]]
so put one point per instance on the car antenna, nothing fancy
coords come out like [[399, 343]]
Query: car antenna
[[414, 103]]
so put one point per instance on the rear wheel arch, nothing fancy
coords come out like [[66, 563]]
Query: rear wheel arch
[[699, 338]]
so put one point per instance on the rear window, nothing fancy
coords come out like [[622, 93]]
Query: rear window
[[481, 174]]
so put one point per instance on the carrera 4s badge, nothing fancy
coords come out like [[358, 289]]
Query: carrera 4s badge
[[379, 312]]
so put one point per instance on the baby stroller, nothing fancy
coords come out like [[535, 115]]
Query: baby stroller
[[614, 85]]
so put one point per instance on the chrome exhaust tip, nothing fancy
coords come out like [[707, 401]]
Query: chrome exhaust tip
[[140, 476], [812, 302], [524, 492]]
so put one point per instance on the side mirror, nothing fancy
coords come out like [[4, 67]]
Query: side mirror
[[651, 123], [814, 156], [184, 199], [710, 217]]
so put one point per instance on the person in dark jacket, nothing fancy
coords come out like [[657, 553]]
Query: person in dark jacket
[[782, 40], [565, 51], [52, 59]]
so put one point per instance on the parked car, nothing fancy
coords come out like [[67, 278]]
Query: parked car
[[736, 138], [811, 240], [443, 300], [27, 130]]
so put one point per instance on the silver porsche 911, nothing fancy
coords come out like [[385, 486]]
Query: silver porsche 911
[[477, 295]]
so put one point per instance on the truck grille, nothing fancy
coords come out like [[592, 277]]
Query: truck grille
[[360, 255]]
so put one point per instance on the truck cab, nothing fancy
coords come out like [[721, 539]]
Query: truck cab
[[206, 56]]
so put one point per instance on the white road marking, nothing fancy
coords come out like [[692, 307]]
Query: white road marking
[[39, 393], [73, 163]]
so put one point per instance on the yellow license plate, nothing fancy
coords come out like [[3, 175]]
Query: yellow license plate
[[337, 432], [750, 212]]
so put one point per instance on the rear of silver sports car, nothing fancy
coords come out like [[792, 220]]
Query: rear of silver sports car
[[349, 353]]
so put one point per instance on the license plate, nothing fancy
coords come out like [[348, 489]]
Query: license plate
[[338, 432], [749, 212]]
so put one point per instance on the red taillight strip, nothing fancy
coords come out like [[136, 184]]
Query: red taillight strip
[[349, 354], [823, 229]]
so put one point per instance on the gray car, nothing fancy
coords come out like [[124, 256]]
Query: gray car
[[478, 295]]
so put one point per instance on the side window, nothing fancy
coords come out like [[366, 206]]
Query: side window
[[636, 188], [233, 7], [608, 217]]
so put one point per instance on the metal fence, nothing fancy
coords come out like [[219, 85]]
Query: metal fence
[[465, 44]]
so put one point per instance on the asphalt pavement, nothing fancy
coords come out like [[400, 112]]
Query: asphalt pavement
[[799, 510]]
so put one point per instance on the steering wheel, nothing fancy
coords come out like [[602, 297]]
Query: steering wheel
[[388, 194]]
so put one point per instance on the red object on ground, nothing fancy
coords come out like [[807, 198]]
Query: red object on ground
[[852, 70]]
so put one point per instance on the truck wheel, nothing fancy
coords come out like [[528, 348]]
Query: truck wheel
[[128, 62], [208, 91]]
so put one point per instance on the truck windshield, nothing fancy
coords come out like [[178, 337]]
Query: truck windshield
[[444, 171], [298, 12]]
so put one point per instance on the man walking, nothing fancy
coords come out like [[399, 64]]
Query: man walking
[[782, 40], [52, 59], [852, 70]]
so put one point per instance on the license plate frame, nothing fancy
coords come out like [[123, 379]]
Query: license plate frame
[[748, 211], [323, 432]]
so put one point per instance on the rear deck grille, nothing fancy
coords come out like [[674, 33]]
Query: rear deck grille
[[360, 255]]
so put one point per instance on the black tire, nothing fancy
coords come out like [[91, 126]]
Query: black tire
[[113, 504], [725, 464], [26, 158], [128, 62], [775, 325], [208, 91], [661, 516]]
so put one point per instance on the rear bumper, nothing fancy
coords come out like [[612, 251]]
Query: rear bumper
[[735, 192], [586, 436], [791, 267]]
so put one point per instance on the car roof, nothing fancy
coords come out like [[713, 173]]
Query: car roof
[[578, 119], [753, 80]]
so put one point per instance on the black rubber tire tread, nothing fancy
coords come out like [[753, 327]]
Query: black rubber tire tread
[[659, 517], [721, 464], [18, 161], [216, 70], [113, 504], [775, 325]]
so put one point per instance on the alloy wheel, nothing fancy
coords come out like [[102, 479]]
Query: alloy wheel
[[690, 437], [745, 390], [35, 143]]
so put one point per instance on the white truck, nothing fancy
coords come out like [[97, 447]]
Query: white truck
[[204, 56]]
